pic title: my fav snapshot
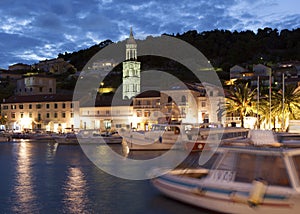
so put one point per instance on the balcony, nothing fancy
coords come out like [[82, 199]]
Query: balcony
[[146, 107]]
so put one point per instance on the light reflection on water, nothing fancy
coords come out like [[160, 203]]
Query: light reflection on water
[[25, 195], [75, 191], [40, 178]]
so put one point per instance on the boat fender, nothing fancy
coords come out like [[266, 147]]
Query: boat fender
[[257, 192], [200, 146], [198, 191]]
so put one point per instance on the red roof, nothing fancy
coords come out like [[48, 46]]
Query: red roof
[[39, 98]]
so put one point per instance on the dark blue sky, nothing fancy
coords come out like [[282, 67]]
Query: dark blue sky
[[40, 29]]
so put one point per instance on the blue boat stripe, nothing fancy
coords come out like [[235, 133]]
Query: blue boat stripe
[[216, 190]]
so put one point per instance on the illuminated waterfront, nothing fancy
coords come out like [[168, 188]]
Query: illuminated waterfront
[[37, 177]]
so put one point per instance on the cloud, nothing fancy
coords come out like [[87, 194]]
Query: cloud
[[33, 30]]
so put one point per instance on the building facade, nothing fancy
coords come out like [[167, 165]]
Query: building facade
[[56, 66], [34, 85], [53, 113], [131, 70]]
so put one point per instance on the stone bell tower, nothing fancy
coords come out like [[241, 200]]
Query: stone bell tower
[[131, 70]]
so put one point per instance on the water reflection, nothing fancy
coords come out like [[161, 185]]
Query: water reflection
[[75, 191], [25, 195], [51, 151]]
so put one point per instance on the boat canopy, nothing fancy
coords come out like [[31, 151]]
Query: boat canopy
[[243, 166]]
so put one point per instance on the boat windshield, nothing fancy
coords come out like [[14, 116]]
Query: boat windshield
[[246, 167]]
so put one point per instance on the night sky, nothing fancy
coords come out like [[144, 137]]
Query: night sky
[[33, 30]]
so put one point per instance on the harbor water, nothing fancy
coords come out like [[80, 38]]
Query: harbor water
[[39, 177]]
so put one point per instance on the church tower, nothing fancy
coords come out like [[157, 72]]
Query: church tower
[[131, 70]]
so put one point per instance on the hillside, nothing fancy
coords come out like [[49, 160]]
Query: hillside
[[225, 48]]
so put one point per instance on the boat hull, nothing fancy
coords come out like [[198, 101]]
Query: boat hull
[[156, 146], [221, 199]]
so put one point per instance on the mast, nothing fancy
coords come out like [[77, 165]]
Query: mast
[[257, 102], [283, 125], [270, 100]]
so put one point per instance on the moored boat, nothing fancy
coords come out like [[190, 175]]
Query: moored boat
[[161, 137], [178, 136], [4, 138], [89, 137], [243, 179]]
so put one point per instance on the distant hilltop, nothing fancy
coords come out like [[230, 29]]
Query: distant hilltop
[[222, 48]]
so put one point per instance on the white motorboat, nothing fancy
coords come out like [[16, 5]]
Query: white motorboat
[[96, 137], [67, 139], [161, 137], [178, 136], [243, 179]]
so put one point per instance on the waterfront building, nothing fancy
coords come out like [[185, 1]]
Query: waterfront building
[[146, 110], [109, 112], [193, 103], [47, 112]]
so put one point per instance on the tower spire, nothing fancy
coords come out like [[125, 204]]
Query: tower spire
[[131, 34], [131, 47]]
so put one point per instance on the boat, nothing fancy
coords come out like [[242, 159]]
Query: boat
[[161, 137], [289, 139], [96, 137], [190, 137], [66, 139], [258, 176], [89, 137], [4, 138], [204, 138]]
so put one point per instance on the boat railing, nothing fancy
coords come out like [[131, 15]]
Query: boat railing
[[266, 138]]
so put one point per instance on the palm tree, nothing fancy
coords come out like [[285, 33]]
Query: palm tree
[[240, 99], [290, 107]]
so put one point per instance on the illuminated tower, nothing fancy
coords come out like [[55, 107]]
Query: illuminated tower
[[131, 70]]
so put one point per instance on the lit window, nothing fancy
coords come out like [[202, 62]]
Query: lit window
[[147, 114], [138, 113]]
